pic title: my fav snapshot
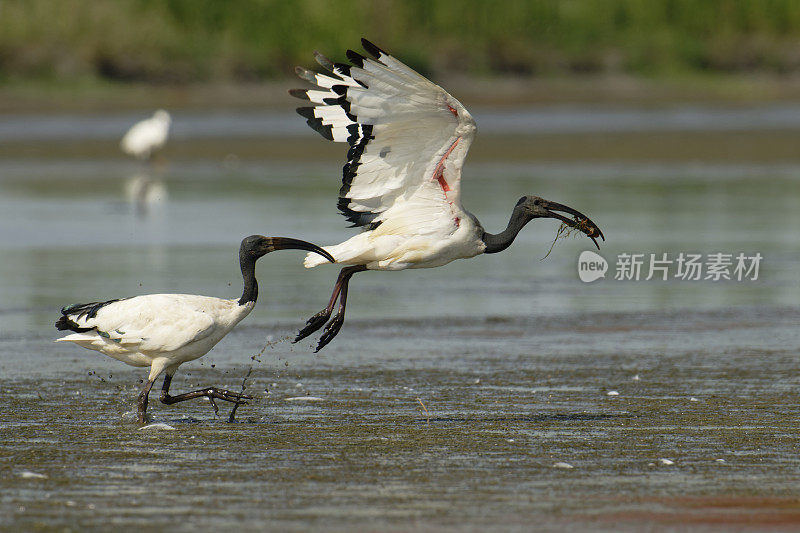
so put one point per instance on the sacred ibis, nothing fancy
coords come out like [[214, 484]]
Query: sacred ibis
[[163, 331], [401, 184], [147, 137]]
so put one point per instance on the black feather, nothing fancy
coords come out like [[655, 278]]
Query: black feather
[[326, 130], [88, 310], [354, 131], [64, 324], [306, 112], [360, 136], [373, 50], [79, 311], [302, 94], [342, 70], [356, 58]]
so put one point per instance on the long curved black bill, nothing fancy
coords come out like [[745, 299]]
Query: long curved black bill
[[284, 243], [578, 221]]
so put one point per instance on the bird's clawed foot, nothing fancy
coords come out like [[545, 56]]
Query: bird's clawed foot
[[221, 394], [228, 396], [313, 324], [211, 393], [335, 324], [331, 330]]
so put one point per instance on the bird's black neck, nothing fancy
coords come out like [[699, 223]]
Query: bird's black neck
[[501, 241], [248, 264]]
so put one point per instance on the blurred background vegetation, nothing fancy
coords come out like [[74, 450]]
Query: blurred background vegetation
[[189, 41]]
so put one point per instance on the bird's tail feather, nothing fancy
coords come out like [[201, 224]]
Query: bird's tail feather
[[65, 323], [79, 338], [313, 259]]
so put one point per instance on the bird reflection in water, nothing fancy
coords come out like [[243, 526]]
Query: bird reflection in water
[[145, 193]]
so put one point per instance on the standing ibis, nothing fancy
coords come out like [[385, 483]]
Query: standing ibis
[[401, 184], [163, 331], [147, 137]]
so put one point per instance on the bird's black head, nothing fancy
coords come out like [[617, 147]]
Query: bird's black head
[[536, 207], [256, 246]]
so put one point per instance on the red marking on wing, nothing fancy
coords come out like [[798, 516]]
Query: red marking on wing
[[442, 183], [452, 110], [438, 173]]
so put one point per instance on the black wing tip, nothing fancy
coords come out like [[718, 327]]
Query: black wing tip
[[315, 123], [341, 90], [90, 309], [360, 136], [357, 218], [306, 112], [342, 69], [355, 58], [302, 94], [64, 323], [326, 130], [372, 49]]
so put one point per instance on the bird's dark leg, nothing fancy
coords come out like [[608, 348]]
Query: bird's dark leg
[[333, 327], [208, 392], [318, 320], [142, 403]]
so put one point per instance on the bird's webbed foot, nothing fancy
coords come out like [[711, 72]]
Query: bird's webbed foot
[[331, 330], [313, 324]]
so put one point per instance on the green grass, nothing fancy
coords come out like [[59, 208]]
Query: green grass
[[245, 40]]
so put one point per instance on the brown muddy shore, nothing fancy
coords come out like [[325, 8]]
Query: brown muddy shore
[[520, 429]]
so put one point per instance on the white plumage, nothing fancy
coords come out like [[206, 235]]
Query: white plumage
[[163, 331], [402, 181], [147, 137]]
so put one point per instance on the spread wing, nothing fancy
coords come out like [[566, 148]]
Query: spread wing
[[408, 137]]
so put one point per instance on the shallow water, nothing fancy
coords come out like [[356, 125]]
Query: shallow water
[[511, 355], [492, 121]]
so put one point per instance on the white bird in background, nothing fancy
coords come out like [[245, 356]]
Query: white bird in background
[[147, 137], [163, 331], [401, 184]]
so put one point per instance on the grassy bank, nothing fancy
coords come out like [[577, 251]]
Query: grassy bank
[[181, 41]]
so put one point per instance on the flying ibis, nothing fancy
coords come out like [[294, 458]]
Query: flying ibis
[[147, 137], [163, 331], [401, 184]]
